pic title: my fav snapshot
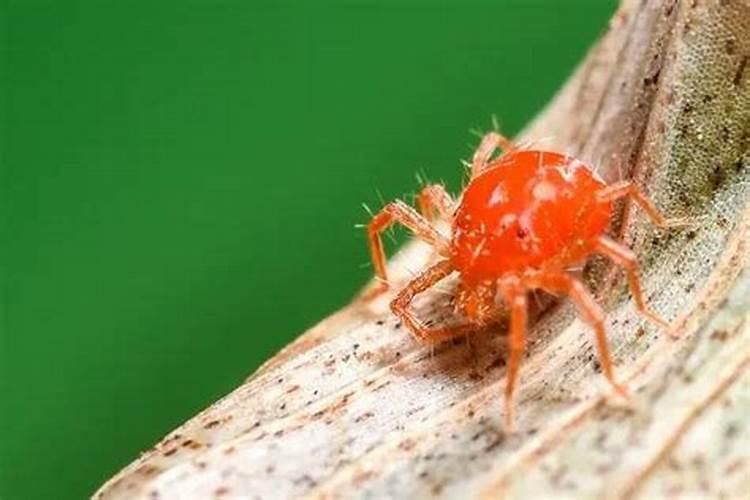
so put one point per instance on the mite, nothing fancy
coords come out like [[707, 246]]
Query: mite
[[525, 218]]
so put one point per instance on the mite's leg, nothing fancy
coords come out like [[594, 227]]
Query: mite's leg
[[622, 189], [625, 257], [490, 142], [436, 197], [591, 314], [517, 344], [399, 211], [400, 305]]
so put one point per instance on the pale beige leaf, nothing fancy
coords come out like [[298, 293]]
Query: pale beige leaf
[[355, 407]]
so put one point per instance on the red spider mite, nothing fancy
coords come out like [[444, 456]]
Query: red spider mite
[[524, 219]]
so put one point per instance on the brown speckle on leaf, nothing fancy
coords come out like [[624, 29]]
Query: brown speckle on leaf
[[720, 335], [364, 416], [211, 424], [407, 444], [362, 477], [648, 104], [147, 470], [740, 71], [193, 445]]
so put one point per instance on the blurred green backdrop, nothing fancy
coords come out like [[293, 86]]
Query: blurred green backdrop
[[180, 183]]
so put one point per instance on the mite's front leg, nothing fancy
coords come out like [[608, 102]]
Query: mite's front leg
[[402, 213], [400, 306], [435, 197]]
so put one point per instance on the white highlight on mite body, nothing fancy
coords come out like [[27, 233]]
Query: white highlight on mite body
[[499, 195], [544, 191]]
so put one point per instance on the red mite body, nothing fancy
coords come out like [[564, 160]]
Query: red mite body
[[522, 222], [525, 209]]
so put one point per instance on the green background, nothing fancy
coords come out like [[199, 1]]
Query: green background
[[180, 183]]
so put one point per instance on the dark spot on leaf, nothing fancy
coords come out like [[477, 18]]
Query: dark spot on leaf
[[496, 363], [211, 424], [740, 71], [730, 46], [494, 443], [407, 444], [653, 79], [189, 443], [720, 335], [731, 431], [718, 177]]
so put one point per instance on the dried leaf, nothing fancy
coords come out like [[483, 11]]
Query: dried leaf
[[356, 407]]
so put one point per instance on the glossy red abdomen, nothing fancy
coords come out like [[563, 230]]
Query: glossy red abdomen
[[527, 208]]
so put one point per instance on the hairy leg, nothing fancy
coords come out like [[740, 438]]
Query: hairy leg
[[435, 197], [490, 142], [625, 258], [589, 311], [400, 306], [402, 213], [622, 189], [516, 300]]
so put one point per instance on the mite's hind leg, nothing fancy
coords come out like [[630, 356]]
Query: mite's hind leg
[[516, 300], [400, 306], [490, 142], [402, 213], [622, 189], [433, 198], [625, 257], [591, 314]]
